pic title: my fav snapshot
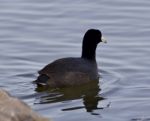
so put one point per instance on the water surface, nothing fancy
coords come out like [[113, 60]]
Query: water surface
[[36, 32]]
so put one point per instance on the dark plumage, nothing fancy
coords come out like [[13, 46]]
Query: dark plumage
[[73, 71]]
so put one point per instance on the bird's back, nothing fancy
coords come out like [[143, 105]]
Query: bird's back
[[70, 71]]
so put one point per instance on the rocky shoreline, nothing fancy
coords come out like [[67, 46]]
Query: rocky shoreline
[[13, 109]]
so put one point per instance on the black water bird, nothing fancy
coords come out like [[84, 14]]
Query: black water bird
[[74, 71]]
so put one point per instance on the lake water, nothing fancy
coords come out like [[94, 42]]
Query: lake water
[[36, 32]]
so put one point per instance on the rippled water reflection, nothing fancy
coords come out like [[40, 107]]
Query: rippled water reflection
[[35, 32]]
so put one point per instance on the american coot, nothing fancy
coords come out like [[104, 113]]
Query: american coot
[[74, 71]]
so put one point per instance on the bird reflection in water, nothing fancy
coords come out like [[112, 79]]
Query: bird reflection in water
[[89, 93]]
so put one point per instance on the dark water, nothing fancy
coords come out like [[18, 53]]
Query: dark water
[[35, 32]]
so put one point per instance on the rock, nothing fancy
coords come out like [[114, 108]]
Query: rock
[[13, 109]]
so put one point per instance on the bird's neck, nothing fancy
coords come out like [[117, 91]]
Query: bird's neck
[[89, 52]]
